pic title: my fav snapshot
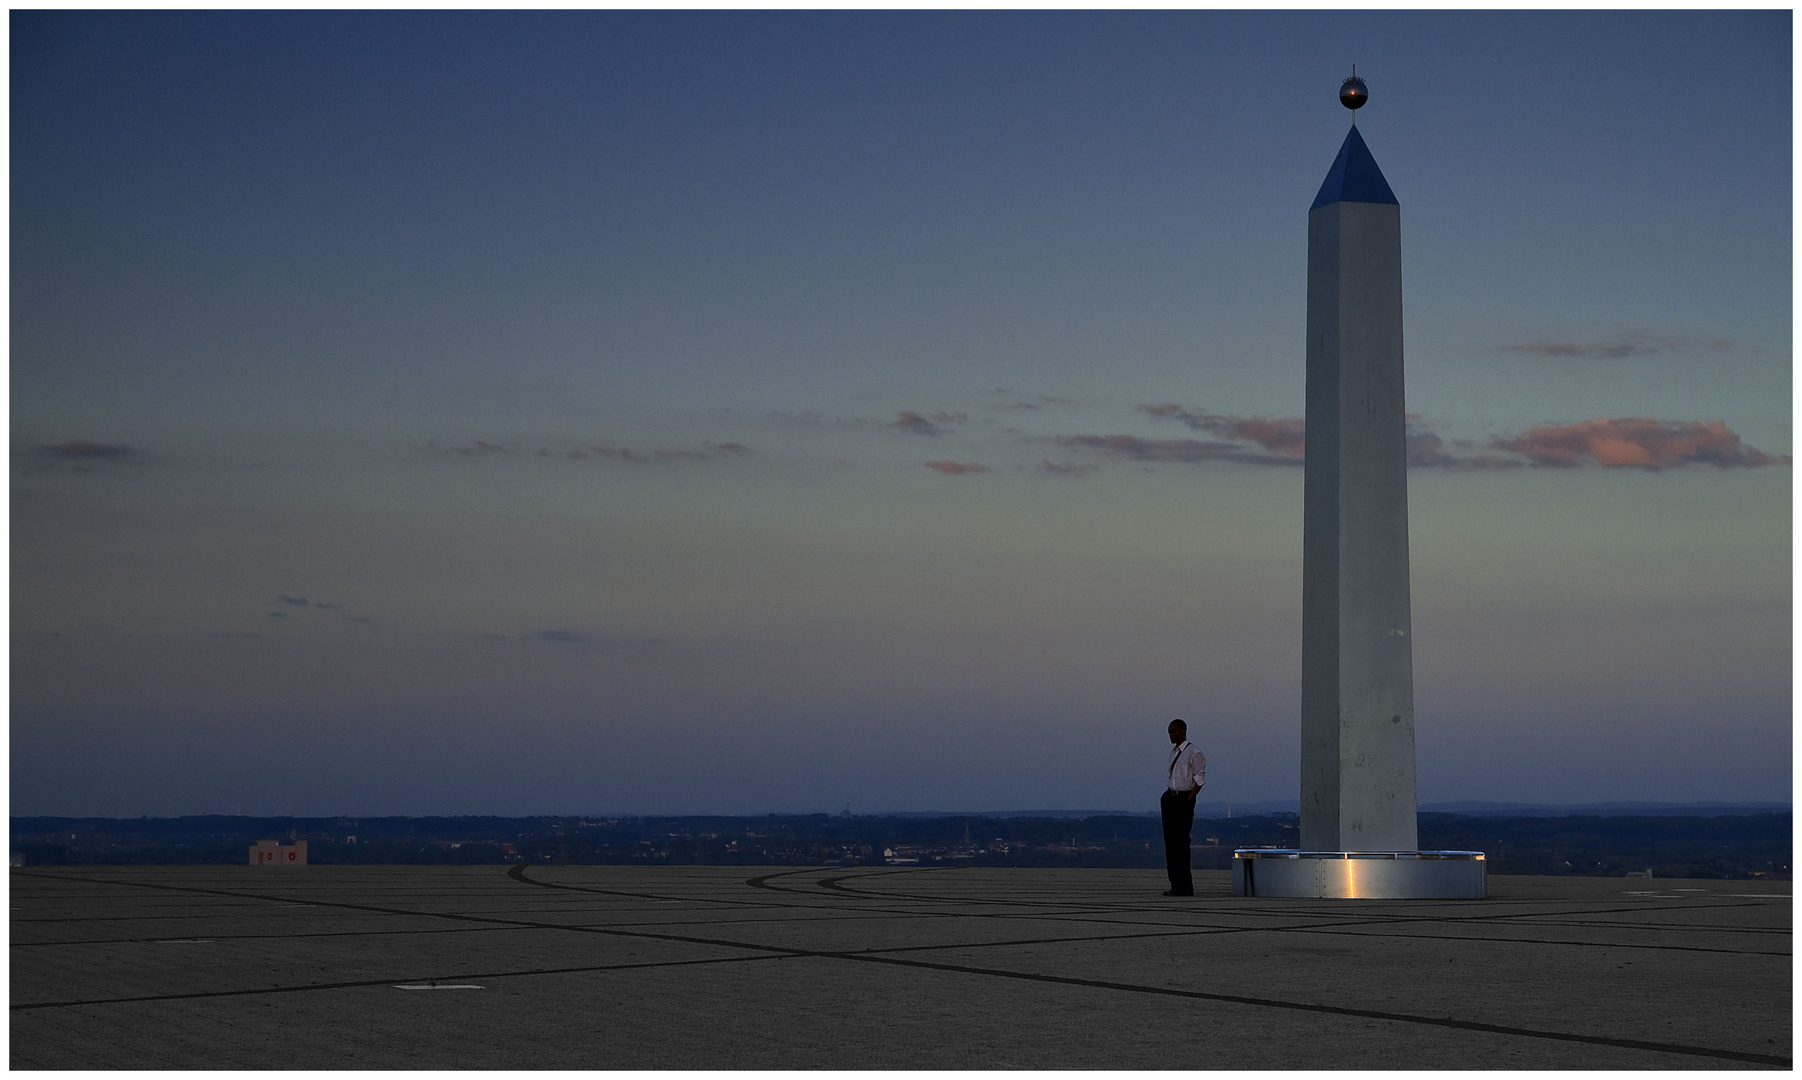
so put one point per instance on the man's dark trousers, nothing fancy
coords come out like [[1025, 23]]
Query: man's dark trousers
[[1179, 820]]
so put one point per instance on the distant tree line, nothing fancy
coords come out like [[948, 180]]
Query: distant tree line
[[1744, 846]]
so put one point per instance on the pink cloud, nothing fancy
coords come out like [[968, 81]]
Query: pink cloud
[[1622, 443], [956, 468], [1635, 442]]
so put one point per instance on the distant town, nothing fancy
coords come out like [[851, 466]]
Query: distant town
[[1670, 846]]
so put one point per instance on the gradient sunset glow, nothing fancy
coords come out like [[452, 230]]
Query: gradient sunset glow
[[735, 412]]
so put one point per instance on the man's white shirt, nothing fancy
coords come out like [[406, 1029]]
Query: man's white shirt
[[1188, 768]]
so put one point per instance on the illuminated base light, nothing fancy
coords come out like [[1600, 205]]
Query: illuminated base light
[[1360, 875]]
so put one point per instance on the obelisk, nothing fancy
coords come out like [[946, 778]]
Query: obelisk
[[1357, 727], [1358, 833]]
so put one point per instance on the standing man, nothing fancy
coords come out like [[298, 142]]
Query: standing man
[[1188, 771]]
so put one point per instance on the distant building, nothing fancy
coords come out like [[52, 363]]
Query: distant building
[[276, 853]]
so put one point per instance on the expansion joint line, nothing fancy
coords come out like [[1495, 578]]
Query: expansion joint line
[[1090, 913], [518, 874], [363, 983], [1339, 1010], [775, 951]]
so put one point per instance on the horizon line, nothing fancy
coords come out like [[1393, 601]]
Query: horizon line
[[1252, 808]]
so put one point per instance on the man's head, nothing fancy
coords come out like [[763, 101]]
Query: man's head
[[1178, 732]]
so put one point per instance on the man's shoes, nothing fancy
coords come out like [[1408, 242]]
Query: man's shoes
[[1173, 892]]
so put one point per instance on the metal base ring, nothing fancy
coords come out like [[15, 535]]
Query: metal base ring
[[1375, 875]]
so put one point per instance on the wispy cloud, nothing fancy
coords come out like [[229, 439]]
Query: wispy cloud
[[712, 451], [1620, 346], [1024, 402], [73, 456], [1063, 468], [809, 420], [1186, 451], [908, 421], [85, 450], [1283, 436], [289, 600], [1610, 443], [920, 425], [626, 454], [956, 468], [301, 601], [1635, 442], [1426, 449], [563, 636], [913, 422]]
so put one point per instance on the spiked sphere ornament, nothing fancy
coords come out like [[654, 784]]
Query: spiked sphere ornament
[[1353, 93]]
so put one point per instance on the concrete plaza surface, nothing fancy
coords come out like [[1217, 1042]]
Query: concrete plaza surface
[[879, 967]]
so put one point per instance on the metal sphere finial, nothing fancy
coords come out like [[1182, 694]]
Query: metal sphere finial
[[1352, 92]]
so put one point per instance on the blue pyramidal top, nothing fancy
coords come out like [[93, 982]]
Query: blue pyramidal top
[[1354, 177]]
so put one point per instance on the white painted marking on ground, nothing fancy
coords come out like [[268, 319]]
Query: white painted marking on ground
[[1678, 894], [438, 986]]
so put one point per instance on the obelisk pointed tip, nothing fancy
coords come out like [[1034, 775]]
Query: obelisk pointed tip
[[1354, 176]]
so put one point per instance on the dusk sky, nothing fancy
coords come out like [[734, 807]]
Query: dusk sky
[[744, 412]]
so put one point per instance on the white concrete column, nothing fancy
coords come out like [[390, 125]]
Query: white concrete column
[[1357, 739]]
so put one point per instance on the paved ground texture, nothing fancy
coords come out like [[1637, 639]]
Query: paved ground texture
[[853, 968]]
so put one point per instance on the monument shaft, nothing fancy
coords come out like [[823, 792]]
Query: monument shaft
[[1357, 738]]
